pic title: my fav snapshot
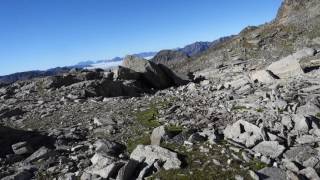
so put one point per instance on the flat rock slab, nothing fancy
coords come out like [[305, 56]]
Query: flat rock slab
[[272, 173], [269, 148], [153, 152], [300, 153]]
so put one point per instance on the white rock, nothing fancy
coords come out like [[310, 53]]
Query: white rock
[[157, 135]]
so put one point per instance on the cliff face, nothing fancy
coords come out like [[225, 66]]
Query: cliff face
[[298, 11]]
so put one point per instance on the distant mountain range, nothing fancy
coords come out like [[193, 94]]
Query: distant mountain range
[[170, 57], [7, 79], [162, 56]]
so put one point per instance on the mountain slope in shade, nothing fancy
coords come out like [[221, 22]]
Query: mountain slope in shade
[[32, 74], [171, 57]]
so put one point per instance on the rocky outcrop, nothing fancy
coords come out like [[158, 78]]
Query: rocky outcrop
[[290, 66], [297, 12], [157, 76]]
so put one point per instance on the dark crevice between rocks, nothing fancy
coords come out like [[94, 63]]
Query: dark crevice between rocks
[[272, 74]]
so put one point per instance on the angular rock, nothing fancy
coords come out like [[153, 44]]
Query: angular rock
[[128, 170], [105, 170], [300, 153], [124, 73], [107, 147], [41, 153], [150, 71], [21, 175], [152, 152], [301, 123], [263, 76], [289, 66], [101, 159], [243, 132], [22, 148], [310, 173], [272, 173], [307, 139], [238, 83], [308, 109], [269, 148], [157, 135]]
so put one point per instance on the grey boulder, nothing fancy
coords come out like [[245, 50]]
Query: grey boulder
[[153, 152], [269, 148]]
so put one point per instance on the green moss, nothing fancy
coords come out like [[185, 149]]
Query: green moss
[[259, 110], [174, 130], [256, 165], [148, 118], [235, 108], [280, 111], [135, 141], [199, 165]]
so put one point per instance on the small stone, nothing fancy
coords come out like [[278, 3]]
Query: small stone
[[22, 148], [216, 162]]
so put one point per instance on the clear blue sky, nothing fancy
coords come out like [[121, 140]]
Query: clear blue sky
[[40, 34]]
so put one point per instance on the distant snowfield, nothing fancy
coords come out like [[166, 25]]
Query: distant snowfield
[[108, 65]]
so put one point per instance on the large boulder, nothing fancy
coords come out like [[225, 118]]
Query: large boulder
[[269, 148], [243, 132], [272, 173], [156, 76], [150, 71], [153, 152], [123, 73], [310, 63], [262, 76], [290, 66]]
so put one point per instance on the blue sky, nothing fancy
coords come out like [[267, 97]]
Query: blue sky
[[40, 34]]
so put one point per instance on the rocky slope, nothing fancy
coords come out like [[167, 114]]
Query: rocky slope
[[296, 26], [242, 117]]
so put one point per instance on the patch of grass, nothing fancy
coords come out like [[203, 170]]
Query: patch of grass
[[145, 121], [174, 130], [280, 111], [199, 165], [239, 108], [256, 165], [148, 118], [259, 110], [135, 141], [318, 115]]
